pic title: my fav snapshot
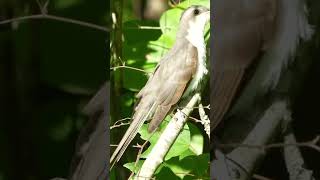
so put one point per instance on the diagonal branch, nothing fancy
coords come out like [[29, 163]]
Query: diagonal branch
[[243, 160], [166, 140]]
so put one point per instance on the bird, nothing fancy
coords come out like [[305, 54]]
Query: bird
[[253, 43], [179, 73]]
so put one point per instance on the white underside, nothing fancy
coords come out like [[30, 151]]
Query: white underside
[[196, 38]]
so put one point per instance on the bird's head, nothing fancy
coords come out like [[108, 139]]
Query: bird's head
[[193, 21]]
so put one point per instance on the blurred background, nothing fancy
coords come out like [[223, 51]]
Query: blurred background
[[48, 71], [304, 92]]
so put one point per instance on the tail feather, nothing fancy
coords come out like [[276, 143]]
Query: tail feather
[[141, 115]]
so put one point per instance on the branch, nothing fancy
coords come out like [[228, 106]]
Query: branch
[[128, 67], [138, 157], [310, 144], [293, 157], [205, 121], [44, 15], [243, 160], [167, 138], [120, 123]]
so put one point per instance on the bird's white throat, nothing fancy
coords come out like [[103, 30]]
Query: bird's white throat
[[196, 37]]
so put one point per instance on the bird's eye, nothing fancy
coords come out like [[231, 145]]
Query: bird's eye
[[196, 12]]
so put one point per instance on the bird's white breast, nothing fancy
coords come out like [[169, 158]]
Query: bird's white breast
[[195, 37]]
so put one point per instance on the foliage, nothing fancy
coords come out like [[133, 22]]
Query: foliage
[[142, 49]]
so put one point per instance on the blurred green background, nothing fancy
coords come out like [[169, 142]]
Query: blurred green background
[[48, 71]]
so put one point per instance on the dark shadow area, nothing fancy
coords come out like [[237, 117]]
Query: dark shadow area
[[49, 70]]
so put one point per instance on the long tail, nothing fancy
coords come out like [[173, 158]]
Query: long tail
[[141, 115]]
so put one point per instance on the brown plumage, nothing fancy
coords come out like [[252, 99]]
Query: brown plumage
[[242, 30], [169, 81]]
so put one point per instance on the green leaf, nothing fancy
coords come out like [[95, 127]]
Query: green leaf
[[180, 145], [186, 153], [166, 173], [189, 142], [169, 22], [132, 167], [187, 3], [197, 140], [152, 138], [197, 166]]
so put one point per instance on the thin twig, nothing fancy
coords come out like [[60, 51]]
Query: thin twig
[[195, 119], [134, 146], [128, 67], [146, 27], [119, 125], [138, 157], [311, 144], [120, 122], [57, 18], [140, 152]]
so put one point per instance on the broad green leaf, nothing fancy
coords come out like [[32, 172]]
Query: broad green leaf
[[132, 167], [196, 144], [189, 142], [166, 173], [169, 22], [159, 47], [181, 144], [197, 166], [187, 3], [186, 153], [152, 138]]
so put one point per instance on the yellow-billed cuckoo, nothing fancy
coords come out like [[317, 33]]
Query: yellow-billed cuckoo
[[177, 75], [253, 43]]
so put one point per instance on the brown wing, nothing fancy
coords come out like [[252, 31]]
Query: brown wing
[[241, 31], [178, 72], [163, 89]]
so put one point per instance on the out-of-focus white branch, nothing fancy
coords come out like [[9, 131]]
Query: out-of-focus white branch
[[205, 121], [293, 157], [242, 161]]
